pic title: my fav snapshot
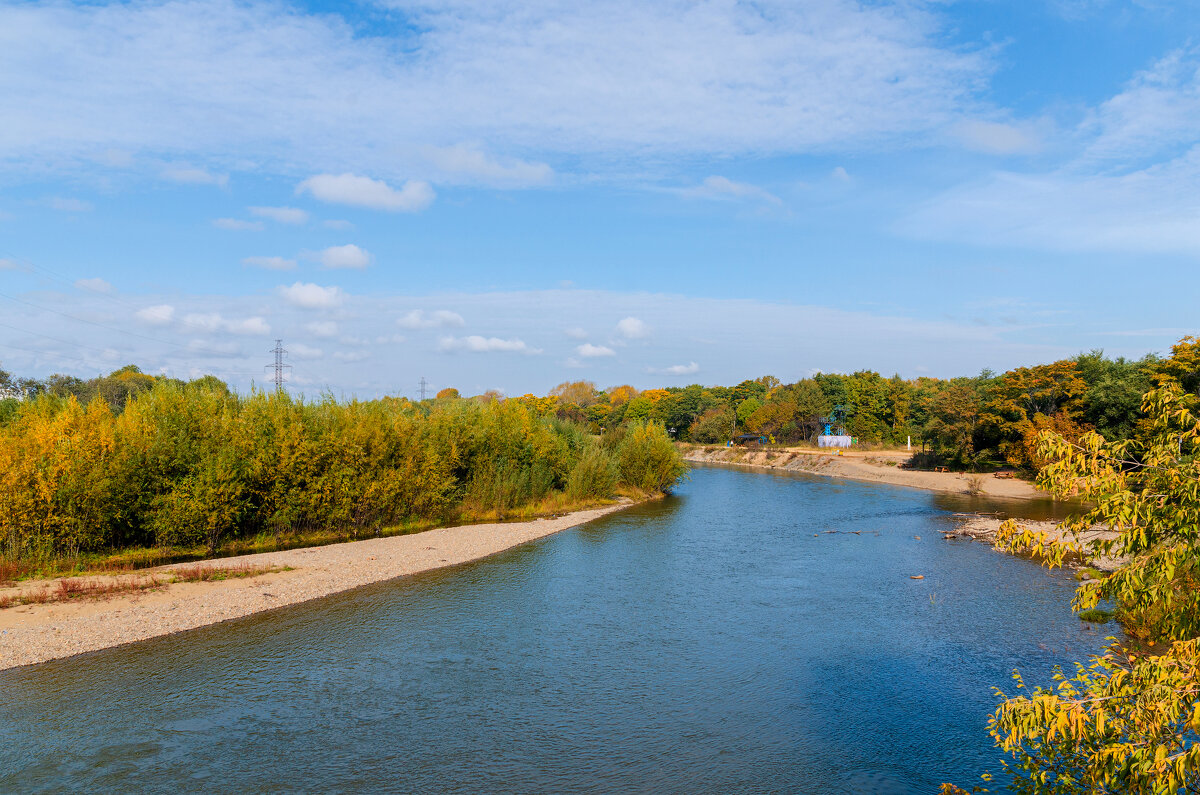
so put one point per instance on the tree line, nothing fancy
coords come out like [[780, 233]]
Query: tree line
[[974, 422], [131, 460]]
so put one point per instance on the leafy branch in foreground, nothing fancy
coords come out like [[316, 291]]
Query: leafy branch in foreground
[[1127, 721]]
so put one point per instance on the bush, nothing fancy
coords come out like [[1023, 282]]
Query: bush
[[594, 476], [648, 460]]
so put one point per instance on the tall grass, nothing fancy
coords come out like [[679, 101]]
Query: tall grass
[[186, 466]]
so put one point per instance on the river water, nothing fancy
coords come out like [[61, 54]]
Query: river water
[[721, 640]]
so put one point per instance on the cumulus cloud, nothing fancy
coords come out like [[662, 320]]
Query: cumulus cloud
[[322, 328], [195, 176], [347, 256], [270, 263], [219, 350], [96, 285], [302, 351], [677, 369], [717, 187], [238, 225], [373, 194], [441, 318], [590, 351], [473, 165], [283, 215], [306, 295], [157, 315], [215, 322], [477, 344], [632, 328]]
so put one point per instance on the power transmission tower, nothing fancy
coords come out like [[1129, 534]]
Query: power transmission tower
[[424, 386], [279, 366]]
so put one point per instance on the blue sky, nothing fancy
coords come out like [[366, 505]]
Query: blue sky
[[510, 195]]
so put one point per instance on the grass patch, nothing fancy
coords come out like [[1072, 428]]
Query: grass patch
[[1089, 573], [70, 588], [200, 573], [1097, 616]]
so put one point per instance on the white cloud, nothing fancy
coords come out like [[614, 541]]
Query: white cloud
[[477, 344], [997, 138], [590, 351], [678, 369], [840, 174], [366, 192], [238, 225], [214, 322], [283, 215], [250, 325], [312, 296], [575, 333], [351, 356], [282, 88], [270, 263], [96, 285], [322, 328], [441, 318], [195, 176], [335, 223], [717, 187], [472, 164], [390, 339], [157, 315], [347, 256], [219, 350], [302, 351], [632, 328], [68, 205]]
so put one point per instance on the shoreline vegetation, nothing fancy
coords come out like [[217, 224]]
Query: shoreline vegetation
[[194, 595], [192, 471]]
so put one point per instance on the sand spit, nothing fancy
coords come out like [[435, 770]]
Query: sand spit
[[36, 633], [985, 528], [877, 467]]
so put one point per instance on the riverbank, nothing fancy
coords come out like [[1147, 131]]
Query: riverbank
[[33, 633], [875, 467], [883, 467]]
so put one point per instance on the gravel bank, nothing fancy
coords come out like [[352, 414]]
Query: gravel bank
[[40, 632], [875, 467]]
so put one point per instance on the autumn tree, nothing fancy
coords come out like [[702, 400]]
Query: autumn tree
[[1124, 722]]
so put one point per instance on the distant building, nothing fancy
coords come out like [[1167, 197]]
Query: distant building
[[11, 393]]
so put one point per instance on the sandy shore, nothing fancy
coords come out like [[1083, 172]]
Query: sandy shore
[[39, 632], [984, 528], [876, 467]]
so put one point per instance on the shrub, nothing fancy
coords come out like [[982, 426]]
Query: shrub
[[594, 476], [648, 460]]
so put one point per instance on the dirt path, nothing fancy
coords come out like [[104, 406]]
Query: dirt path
[[35, 633]]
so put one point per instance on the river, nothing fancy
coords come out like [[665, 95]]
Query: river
[[722, 640]]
